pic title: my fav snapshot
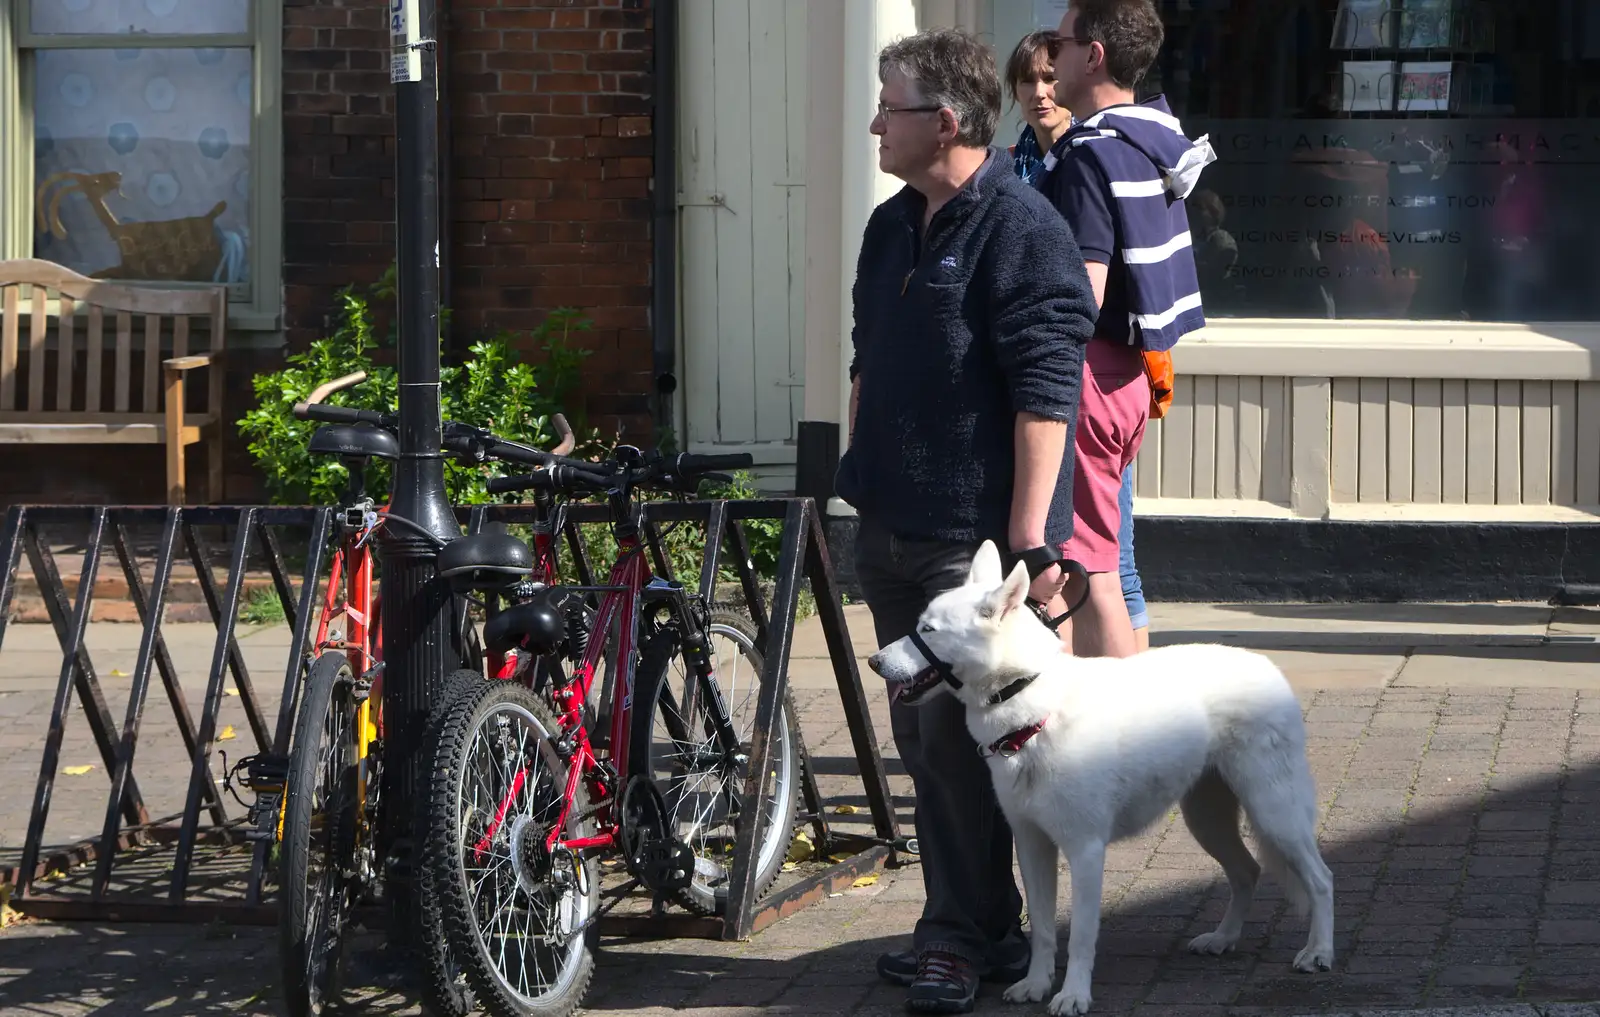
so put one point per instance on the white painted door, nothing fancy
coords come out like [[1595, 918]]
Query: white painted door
[[741, 179]]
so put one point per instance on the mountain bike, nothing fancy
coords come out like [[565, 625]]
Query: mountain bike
[[321, 803], [525, 801]]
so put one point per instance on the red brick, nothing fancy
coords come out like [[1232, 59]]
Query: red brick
[[556, 82], [632, 167], [480, 211], [633, 127], [516, 18], [557, 41]]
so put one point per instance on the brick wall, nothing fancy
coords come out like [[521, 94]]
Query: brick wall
[[549, 115]]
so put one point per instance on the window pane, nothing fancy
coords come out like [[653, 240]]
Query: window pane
[[121, 17], [1433, 163], [142, 162]]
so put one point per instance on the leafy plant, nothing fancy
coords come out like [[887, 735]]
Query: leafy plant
[[261, 607], [492, 389]]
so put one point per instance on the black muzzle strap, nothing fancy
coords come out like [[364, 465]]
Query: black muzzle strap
[[938, 666]]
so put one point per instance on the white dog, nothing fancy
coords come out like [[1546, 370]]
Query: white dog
[[1087, 751]]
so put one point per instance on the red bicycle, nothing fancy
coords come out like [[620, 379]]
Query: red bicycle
[[320, 804], [525, 801]]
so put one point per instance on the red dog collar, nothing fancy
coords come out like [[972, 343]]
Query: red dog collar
[[1012, 743]]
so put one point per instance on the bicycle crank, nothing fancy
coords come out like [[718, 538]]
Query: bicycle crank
[[653, 855]]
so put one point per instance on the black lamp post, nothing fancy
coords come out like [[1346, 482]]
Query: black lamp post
[[419, 647]]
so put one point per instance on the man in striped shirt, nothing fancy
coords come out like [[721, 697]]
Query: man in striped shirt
[[1119, 178]]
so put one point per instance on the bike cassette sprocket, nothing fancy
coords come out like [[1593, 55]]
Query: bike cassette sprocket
[[653, 855]]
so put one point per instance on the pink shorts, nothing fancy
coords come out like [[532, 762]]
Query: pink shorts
[[1112, 410]]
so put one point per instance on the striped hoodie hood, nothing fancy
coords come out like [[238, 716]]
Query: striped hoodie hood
[[1152, 167]]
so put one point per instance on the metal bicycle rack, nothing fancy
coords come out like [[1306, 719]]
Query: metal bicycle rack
[[53, 882]]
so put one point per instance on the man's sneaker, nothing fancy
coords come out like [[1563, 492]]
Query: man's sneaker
[[945, 983], [900, 968]]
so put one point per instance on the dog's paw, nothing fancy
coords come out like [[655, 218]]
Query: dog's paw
[[1070, 1002], [1213, 943], [1314, 958], [1029, 990]]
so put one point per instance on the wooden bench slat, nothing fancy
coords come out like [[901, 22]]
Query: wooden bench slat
[[53, 419], [96, 349], [152, 362], [36, 327], [123, 432], [8, 349], [124, 380], [66, 332]]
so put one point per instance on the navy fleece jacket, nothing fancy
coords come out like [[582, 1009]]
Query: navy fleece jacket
[[955, 334]]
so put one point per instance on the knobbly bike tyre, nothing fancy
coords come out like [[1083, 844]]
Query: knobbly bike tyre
[[450, 839], [706, 896], [301, 929], [443, 984]]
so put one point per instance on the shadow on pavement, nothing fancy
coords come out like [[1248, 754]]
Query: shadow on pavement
[[1491, 900]]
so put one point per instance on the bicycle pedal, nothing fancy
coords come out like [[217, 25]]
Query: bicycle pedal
[[666, 865]]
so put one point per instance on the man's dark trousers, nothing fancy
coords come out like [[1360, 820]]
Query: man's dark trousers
[[973, 907]]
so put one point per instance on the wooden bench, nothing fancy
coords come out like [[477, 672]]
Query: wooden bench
[[53, 381]]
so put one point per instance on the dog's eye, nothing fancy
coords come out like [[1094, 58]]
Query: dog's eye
[[925, 627]]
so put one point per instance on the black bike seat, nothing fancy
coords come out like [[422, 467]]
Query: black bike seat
[[485, 560], [358, 441], [537, 625]]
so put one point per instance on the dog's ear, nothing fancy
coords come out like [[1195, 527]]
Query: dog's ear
[[985, 569], [1011, 595]]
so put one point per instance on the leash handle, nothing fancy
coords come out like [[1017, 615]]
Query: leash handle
[[1054, 624]]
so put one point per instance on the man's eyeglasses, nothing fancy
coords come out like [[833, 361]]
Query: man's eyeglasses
[[1053, 47], [884, 111]]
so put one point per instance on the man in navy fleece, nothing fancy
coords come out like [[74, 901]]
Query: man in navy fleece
[[972, 307]]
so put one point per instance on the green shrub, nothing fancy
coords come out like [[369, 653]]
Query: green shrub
[[492, 389]]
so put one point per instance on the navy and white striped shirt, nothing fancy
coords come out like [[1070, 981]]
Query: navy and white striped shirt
[[1150, 166]]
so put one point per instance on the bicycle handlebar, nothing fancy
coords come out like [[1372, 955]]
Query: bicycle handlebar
[[463, 439], [555, 477], [690, 462], [339, 415], [328, 388]]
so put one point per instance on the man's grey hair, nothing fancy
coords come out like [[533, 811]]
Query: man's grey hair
[[950, 68]]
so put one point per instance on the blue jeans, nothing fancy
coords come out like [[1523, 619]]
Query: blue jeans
[[1132, 589]]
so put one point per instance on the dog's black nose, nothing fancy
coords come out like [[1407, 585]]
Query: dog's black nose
[[872, 662]]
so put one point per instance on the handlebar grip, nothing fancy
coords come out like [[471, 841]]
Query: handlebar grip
[[557, 477], [564, 430], [328, 388], [520, 482], [689, 462], [336, 414]]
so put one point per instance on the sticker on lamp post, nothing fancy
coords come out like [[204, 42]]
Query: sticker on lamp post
[[405, 63]]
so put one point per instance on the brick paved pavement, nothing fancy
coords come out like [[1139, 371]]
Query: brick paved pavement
[[1459, 787]]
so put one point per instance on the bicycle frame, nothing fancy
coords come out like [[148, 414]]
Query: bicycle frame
[[631, 582]]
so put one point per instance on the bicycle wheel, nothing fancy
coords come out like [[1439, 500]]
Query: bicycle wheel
[[704, 792], [318, 838], [517, 917], [443, 983]]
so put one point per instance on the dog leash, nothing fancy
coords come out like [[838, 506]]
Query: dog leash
[[1037, 563]]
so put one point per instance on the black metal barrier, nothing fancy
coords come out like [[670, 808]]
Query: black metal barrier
[[42, 883]]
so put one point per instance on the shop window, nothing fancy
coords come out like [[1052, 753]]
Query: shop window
[[139, 139], [1399, 159]]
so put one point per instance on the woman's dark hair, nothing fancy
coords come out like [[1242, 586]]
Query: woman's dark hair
[[1024, 61]]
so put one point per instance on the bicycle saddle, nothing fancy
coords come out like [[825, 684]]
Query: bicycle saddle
[[485, 561], [354, 441], [536, 625]]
